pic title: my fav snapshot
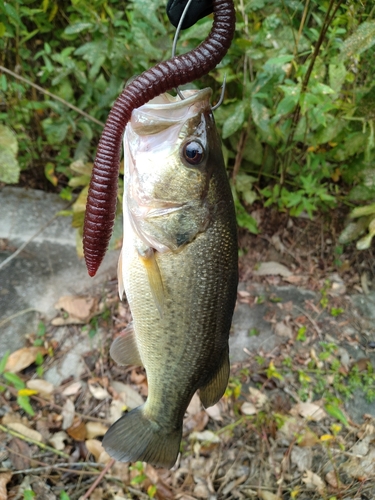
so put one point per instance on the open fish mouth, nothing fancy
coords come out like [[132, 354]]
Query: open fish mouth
[[165, 110]]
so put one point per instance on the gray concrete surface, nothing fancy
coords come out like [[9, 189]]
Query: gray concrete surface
[[48, 267]]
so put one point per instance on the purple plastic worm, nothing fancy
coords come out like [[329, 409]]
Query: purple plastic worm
[[102, 196]]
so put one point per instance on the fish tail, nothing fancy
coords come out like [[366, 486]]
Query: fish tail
[[135, 437]]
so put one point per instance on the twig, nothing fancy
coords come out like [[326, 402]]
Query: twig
[[98, 479], [19, 249], [54, 405], [19, 313], [54, 96], [43, 446], [312, 321]]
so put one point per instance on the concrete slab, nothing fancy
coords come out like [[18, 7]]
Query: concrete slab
[[48, 267]]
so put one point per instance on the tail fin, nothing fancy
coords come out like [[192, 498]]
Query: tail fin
[[135, 437]]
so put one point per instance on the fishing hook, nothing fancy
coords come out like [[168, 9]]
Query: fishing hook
[[174, 46]]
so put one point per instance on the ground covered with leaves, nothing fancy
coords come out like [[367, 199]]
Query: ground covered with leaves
[[281, 430]]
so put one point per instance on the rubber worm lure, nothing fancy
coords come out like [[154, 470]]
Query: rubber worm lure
[[179, 70]]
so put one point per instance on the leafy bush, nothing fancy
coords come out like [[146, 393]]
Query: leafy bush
[[297, 124]]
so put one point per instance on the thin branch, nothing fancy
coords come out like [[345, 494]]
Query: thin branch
[[98, 479], [43, 446], [53, 96]]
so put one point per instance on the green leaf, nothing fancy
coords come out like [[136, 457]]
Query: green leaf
[[337, 75], [28, 495], [235, 121], [15, 380], [2, 29], [49, 172], [64, 496], [3, 361], [24, 402], [77, 28], [336, 413], [362, 39]]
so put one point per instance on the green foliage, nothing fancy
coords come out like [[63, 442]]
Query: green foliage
[[297, 124]]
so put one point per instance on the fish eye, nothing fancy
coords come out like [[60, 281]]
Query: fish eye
[[193, 152]]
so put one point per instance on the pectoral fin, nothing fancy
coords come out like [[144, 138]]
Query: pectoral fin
[[148, 259], [213, 391], [120, 280], [124, 349]]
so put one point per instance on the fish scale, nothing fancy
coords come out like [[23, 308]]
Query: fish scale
[[181, 297]]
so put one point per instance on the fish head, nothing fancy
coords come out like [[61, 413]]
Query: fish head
[[170, 147]]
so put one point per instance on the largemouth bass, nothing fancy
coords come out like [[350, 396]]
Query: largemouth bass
[[179, 271]]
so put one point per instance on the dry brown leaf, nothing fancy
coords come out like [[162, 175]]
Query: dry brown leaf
[[309, 411], [95, 447], [205, 436], [116, 410], [78, 430], [333, 479], [68, 414], [19, 454], [301, 457], [26, 431], [282, 329], [21, 359], [272, 268], [214, 412], [361, 468], [195, 405], [248, 409], [58, 440], [98, 391], [127, 394], [42, 386], [72, 389], [257, 397], [95, 429], [196, 422], [267, 495], [307, 438], [314, 482], [79, 308], [5, 477]]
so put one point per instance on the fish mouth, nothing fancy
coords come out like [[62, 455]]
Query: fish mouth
[[165, 110], [191, 96]]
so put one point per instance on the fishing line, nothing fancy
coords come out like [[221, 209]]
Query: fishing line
[[174, 46]]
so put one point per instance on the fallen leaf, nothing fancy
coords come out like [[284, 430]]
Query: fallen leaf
[[98, 391], [282, 329], [95, 429], [116, 410], [248, 409], [310, 411], [5, 477], [21, 359], [257, 397], [314, 482], [267, 495], [57, 440], [78, 430], [26, 431], [127, 394], [333, 479], [301, 457], [272, 268], [72, 389], [206, 436], [19, 454], [41, 489], [195, 405], [361, 468], [214, 412], [95, 447], [196, 422], [80, 308], [68, 414], [41, 386]]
